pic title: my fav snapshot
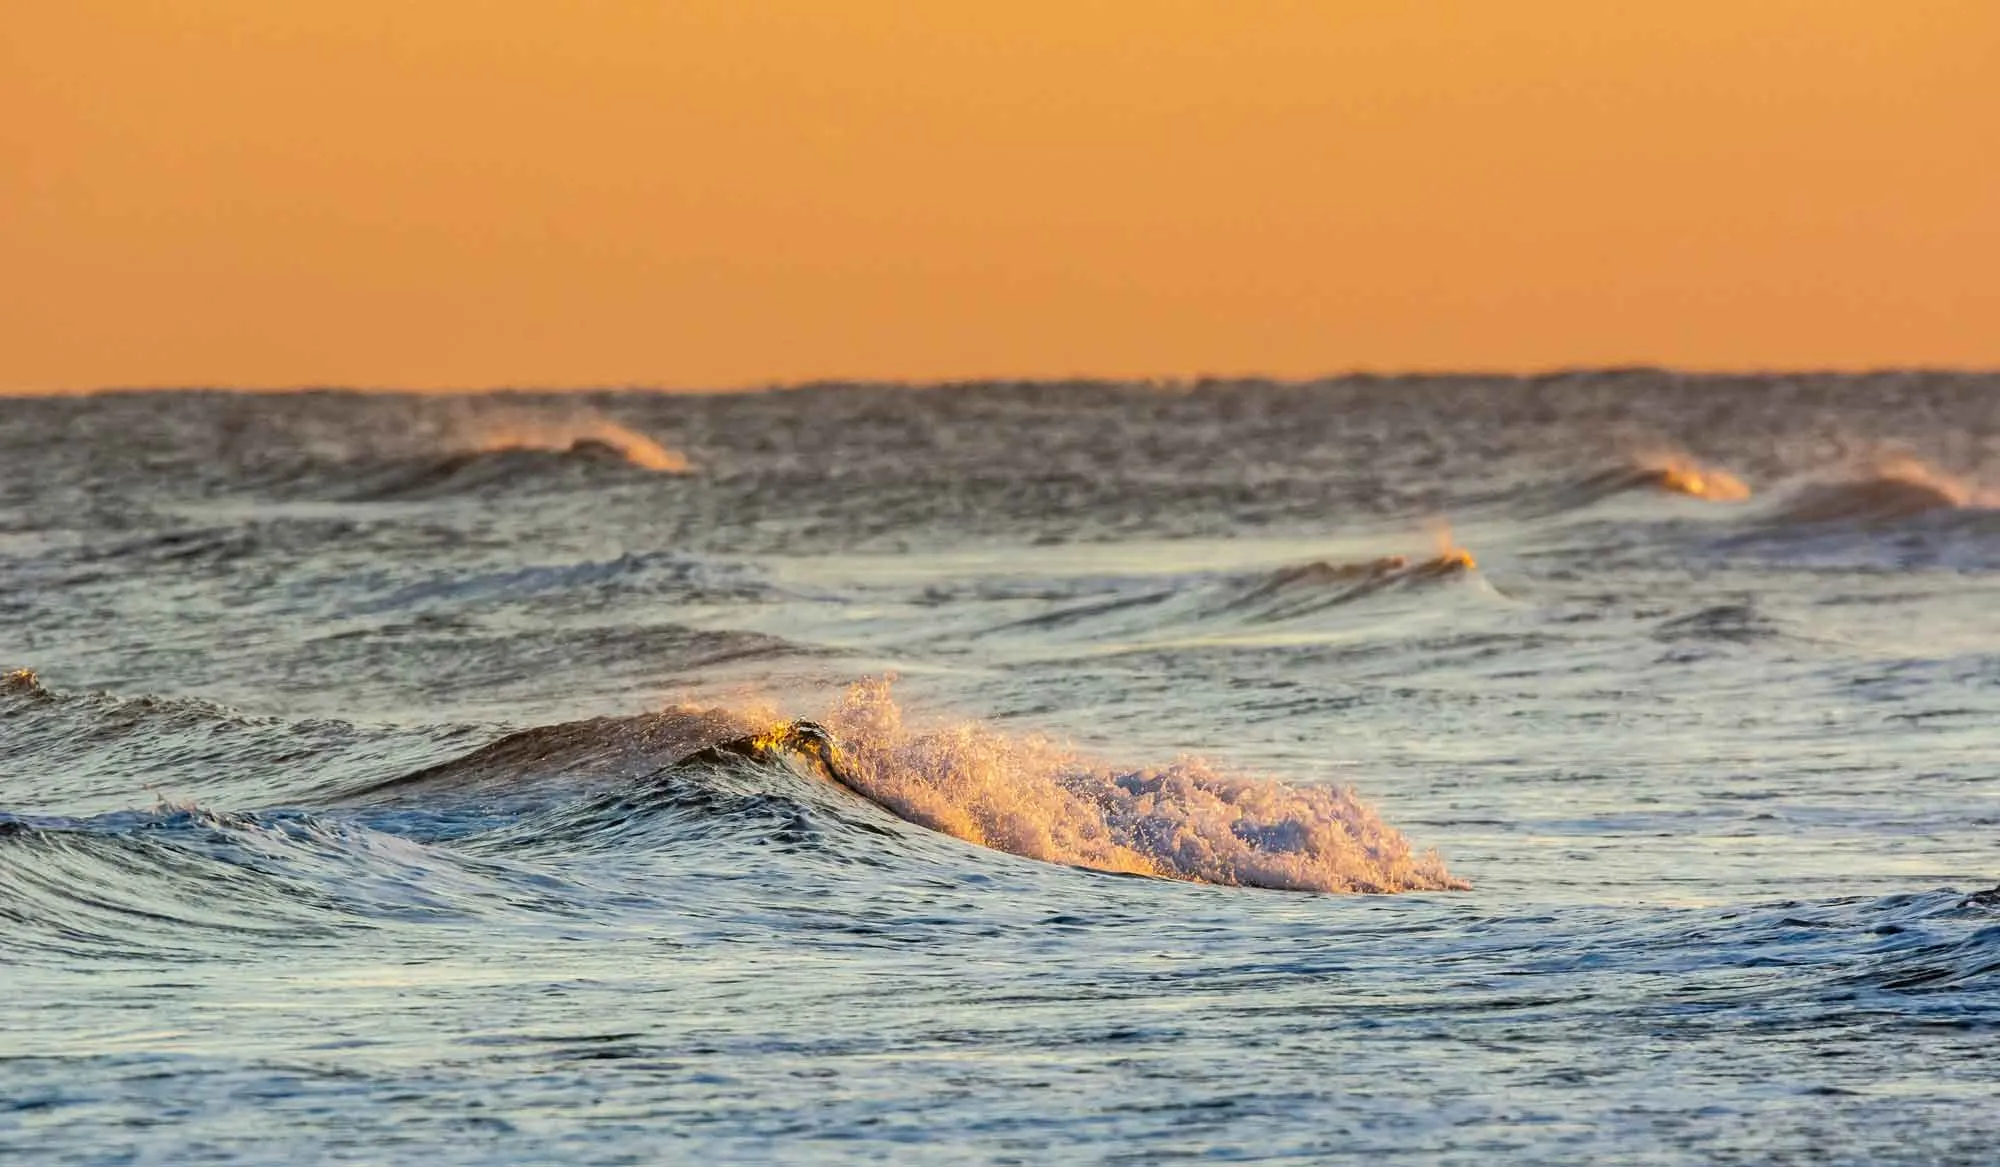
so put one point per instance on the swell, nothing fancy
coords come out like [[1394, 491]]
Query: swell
[[777, 791], [188, 883], [487, 838], [1893, 514], [1256, 600], [82, 752], [1932, 957], [1301, 590], [568, 759]]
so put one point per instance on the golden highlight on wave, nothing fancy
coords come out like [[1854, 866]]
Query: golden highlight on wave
[[569, 433], [1651, 471], [1677, 473], [1035, 798]]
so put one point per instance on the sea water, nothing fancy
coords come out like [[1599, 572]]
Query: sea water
[[1598, 767]]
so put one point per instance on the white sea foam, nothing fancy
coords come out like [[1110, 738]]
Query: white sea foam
[[1034, 797]]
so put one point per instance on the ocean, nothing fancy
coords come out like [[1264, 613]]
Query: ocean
[[1597, 767]]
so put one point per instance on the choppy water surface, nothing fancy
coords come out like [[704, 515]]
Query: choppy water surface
[[1594, 768]]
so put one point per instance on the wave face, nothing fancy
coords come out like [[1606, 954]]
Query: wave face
[[514, 778]]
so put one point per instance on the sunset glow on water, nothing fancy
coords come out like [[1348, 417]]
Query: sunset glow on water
[[854, 581]]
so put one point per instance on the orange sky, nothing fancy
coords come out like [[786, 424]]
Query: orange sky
[[726, 192]]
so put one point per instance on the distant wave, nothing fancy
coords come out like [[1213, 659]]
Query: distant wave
[[1208, 603], [1886, 494], [485, 470], [1891, 515], [1675, 474], [495, 450], [24, 683], [1302, 589], [1895, 514], [591, 436]]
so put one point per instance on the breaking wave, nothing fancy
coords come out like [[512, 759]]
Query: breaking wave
[[1026, 796], [1034, 798]]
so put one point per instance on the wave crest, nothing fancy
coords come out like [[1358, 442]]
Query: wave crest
[[1032, 798], [24, 683], [1659, 474], [1682, 475], [504, 449], [586, 435]]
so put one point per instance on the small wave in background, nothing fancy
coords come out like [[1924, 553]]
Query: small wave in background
[[1650, 474], [422, 448], [1316, 594], [1302, 589], [1887, 492], [583, 434], [510, 448], [1885, 513]]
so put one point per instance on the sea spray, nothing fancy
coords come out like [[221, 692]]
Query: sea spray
[[1033, 797]]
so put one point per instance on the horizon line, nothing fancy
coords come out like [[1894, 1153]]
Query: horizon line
[[1166, 382]]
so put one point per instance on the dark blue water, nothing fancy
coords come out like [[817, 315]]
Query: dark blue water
[[1597, 768]]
